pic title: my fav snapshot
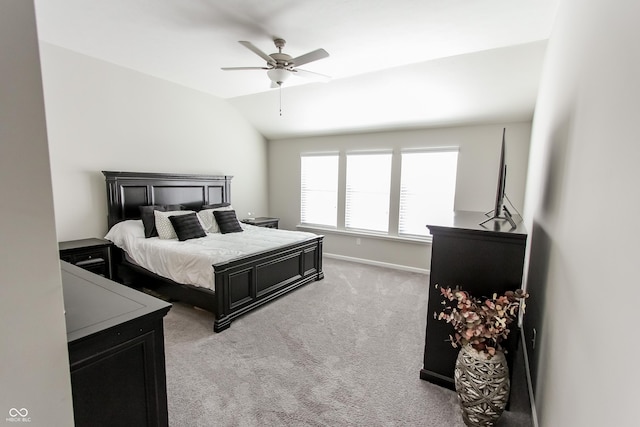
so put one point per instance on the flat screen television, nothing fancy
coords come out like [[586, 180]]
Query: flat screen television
[[502, 179], [500, 210]]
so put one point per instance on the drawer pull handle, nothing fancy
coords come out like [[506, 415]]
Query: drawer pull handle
[[90, 262]]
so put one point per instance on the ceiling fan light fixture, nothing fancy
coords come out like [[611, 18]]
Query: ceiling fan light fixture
[[278, 75]]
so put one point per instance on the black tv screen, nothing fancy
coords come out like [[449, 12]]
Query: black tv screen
[[500, 211], [502, 180]]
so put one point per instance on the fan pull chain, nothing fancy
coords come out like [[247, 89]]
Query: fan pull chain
[[280, 90]]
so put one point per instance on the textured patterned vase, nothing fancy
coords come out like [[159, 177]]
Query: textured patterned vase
[[482, 385]]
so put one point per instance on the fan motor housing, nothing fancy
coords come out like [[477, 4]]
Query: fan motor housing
[[282, 59]]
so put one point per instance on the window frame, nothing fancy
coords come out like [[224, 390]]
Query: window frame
[[394, 199]]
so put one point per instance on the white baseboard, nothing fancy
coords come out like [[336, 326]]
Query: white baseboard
[[532, 399], [377, 263]]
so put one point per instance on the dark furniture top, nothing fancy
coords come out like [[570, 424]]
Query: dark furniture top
[[92, 254], [94, 304], [468, 223], [481, 260], [116, 351], [262, 221], [127, 191], [70, 245]]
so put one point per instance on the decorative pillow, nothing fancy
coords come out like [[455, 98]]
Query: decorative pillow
[[149, 219], [227, 221], [163, 223], [207, 218], [126, 230], [187, 226], [216, 206]]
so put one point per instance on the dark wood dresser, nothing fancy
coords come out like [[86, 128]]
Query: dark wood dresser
[[481, 260], [116, 351]]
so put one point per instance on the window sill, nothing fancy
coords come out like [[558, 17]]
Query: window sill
[[369, 235]]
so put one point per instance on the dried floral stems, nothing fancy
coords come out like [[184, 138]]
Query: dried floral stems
[[481, 322]]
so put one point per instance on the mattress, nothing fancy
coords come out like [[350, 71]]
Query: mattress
[[190, 261]]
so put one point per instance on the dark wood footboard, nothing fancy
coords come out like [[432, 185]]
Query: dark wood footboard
[[241, 285], [245, 284]]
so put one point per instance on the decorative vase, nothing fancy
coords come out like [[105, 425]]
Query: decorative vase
[[482, 384]]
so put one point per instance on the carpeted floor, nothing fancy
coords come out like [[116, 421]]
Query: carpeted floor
[[343, 351]]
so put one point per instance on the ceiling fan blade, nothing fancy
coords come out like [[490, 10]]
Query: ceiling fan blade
[[309, 57], [258, 52], [243, 68], [310, 74]]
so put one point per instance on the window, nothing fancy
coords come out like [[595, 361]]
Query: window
[[427, 189], [367, 192], [319, 189]]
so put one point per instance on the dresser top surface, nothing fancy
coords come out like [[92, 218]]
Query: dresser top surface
[[470, 222], [93, 303]]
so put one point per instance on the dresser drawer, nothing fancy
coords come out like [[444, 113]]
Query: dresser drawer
[[81, 258]]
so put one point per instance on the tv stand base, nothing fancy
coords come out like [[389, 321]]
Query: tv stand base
[[506, 216]]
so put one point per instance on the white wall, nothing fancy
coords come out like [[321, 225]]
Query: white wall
[[582, 205], [475, 188], [34, 368], [104, 117]]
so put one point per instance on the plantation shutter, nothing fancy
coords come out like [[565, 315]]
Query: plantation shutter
[[319, 189], [367, 192], [427, 189]]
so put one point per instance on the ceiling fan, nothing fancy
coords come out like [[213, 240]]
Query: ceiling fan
[[280, 65]]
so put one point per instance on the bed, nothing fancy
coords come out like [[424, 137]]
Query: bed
[[240, 284]]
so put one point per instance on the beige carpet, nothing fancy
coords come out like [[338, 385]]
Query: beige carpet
[[343, 351]]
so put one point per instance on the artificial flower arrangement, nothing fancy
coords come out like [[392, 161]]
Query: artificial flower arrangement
[[482, 323]]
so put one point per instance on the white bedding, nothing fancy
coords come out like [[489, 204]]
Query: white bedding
[[190, 262]]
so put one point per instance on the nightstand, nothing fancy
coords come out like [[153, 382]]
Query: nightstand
[[90, 254], [262, 221]]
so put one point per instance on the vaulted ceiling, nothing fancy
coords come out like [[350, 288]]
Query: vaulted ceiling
[[394, 63]]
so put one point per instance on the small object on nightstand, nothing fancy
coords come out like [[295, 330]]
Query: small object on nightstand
[[262, 221], [90, 254]]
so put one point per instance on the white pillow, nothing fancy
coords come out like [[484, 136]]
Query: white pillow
[[209, 221], [129, 229], [164, 226]]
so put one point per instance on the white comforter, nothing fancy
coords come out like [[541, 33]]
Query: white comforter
[[190, 262]]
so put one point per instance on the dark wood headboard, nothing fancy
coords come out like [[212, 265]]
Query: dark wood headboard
[[126, 191]]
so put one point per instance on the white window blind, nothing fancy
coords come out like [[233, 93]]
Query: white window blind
[[319, 189], [427, 189], [367, 192]]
